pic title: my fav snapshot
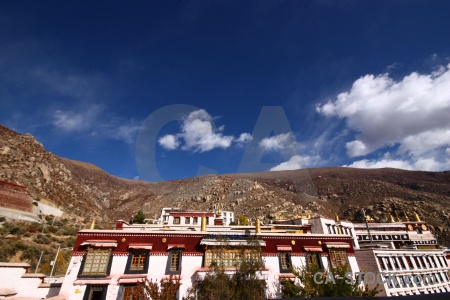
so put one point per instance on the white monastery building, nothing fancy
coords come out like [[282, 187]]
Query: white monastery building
[[107, 264]]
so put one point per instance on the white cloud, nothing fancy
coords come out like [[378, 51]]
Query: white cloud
[[169, 142], [92, 121], [383, 163], [296, 162], [412, 114], [423, 164], [356, 148], [71, 121], [125, 132], [244, 138], [279, 142], [200, 135]]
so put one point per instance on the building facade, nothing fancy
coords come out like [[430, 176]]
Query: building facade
[[405, 255], [107, 264]]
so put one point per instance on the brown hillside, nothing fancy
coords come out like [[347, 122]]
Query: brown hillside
[[85, 190]]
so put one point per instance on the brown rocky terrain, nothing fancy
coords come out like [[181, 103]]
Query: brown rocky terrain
[[83, 190]]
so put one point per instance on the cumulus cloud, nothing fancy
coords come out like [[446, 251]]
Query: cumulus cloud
[[199, 135], [244, 138], [169, 142], [279, 142], [411, 114], [296, 162]]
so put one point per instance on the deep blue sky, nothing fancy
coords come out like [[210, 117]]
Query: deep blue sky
[[246, 85]]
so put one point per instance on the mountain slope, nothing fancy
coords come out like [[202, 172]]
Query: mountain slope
[[85, 190]]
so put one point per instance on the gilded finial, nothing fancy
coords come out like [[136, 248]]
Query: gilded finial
[[398, 218], [391, 218], [93, 224], [257, 226], [336, 218], [203, 227], [416, 217], [406, 217]]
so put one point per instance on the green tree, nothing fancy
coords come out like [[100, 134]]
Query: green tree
[[243, 220], [139, 218], [314, 282]]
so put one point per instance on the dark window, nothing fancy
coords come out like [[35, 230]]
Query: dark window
[[176, 220], [137, 262], [402, 263], [95, 292], [394, 261], [174, 262], [409, 262], [187, 220], [285, 262], [96, 262], [380, 262], [194, 220], [313, 260]]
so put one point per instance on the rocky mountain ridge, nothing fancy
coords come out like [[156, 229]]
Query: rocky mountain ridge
[[85, 191]]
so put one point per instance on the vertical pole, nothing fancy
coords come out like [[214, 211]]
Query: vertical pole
[[367, 225], [39, 261], [54, 263]]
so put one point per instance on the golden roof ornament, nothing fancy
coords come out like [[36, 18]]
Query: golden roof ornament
[[336, 218], [93, 224], [391, 218], [406, 217], [203, 224], [257, 226], [416, 217]]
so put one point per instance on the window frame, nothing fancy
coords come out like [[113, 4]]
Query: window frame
[[287, 255], [123, 288], [90, 289], [91, 251], [133, 253], [334, 260], [317, 255], [169, 266]]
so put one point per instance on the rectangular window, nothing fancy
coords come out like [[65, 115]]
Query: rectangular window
[[229, 258], [187, 220], [194, 220], [176, 220], [380, 262], [95, 292], [174, 263], [129, 292], [338, 258], [394, 261], [387, 262], [409, 262], [96, 262], [285, 262], [402, 262], [137, 262], [313, 260]]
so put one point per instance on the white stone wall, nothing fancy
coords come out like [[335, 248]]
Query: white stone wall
[[9, 278], [68, 289], [12, 278]]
